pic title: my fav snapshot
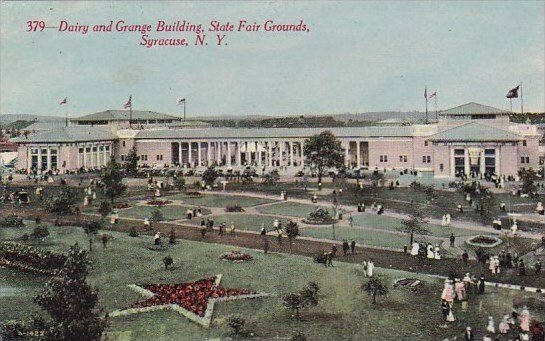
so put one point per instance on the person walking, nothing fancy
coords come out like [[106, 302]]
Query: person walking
[[353, 246], [452, 239], [345, 247], [482, 283], [465, 257]]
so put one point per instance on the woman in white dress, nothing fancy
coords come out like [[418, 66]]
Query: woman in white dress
[[525, 320], [490, 326], [430, 251], [437, 254], [504, 324], [414, 249], [370, 268]]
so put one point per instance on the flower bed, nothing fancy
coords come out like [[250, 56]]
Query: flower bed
[[236, 256], [193, 194], [121, 206], [159, 202], [484, 241], [29, 259], [234, 208], [319, 217], [407, 283]]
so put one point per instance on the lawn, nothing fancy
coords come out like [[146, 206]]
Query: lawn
[[291, 209], [170, 212], [210, 200], [246, 222], [343, 313]]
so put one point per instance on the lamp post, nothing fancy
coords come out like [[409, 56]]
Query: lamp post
[[334, 219]]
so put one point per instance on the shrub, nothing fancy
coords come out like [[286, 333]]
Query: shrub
[[179, 183], [133, 232], [40, 232], [60, 202], [167, 260], [105, 208], [298, 337], [12, 220], [234, 208], [236, 323], [157, 215]]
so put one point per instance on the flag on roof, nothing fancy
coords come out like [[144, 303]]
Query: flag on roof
[[426, 93], [513, 93], [64, 101], [181, 100], [129, 103], [433, 95]]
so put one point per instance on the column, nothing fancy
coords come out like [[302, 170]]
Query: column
[[208, 160], [281, 153], [358, 154], [246, 152], [84, 156], [199, 153], [452, 171], [497, 160], [228, 153], [482, 167], [29, 158], [237, 156], [258, 153], [180, 153], [189, 158], [291, 153], [48, 166], [466, 161], [302, 144], [269, 152], [346, 154], [218, 152]]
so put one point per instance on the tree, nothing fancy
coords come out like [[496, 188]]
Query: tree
[[236, 323], [167, 260], [70, 301], [292, 231], [131, 161], [61, 202], [40, 232], [307, 297], [323, 151], [271, 178], [179, 183], [210, 175], [157, 215], [91, 230], [374, 287], [105, 208], [112, 180], [415, 223], [528, 179]]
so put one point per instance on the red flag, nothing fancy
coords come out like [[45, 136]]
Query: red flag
[[426, 93], [181, 100], [129, 103], [64, 101]]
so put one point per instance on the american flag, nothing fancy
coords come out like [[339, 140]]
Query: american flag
[[129, 103], [426, 93], [433, 95], [64, 101], [181, 100]]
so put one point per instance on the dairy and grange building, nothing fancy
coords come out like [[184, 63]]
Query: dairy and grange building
[[470, 139]]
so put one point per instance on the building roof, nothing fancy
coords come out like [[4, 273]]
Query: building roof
[[473, 108], [273, 133], [473, 131], [68, 134], [43, 126], [124, 115]]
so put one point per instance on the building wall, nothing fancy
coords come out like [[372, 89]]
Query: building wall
[[392, 150], [22, 156], [157, 153]]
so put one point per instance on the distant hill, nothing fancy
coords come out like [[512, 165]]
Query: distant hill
[[10, 118]]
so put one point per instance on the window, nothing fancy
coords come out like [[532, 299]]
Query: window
[[122, 157], [160, 157], [144, 157], [524, 143], [459, 152], [123, 143], [426, 159], [441, 167], [381, 159], [524, 159], [425, 143], [402, 158]]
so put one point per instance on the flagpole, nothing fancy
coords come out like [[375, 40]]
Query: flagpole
[[130, 112], [521, 100], [426, 96], [185, 101], [66, 115], [436, 111], [511, 103]]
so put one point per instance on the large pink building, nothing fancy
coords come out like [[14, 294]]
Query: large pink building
[[470, 139]]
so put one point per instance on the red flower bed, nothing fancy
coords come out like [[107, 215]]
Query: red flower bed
[[122, 205], [236, 256], [159, 202], [191, 296]]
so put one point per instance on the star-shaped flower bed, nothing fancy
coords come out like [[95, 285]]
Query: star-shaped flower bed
[[194, 300]]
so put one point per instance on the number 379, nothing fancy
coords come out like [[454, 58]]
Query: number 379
[[35, 26]]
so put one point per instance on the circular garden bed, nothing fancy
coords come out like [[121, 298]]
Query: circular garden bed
[[121, 206], [159, 202], [484, 241], [236, 256]]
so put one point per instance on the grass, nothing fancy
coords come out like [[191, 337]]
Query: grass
[[291, 209], [343, 313], [170, 212], [246, 222], [210, 200]]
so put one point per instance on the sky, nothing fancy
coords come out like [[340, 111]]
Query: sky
[[355, 57]]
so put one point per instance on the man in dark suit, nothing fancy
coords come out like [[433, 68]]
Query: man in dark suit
[[469, 334]]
